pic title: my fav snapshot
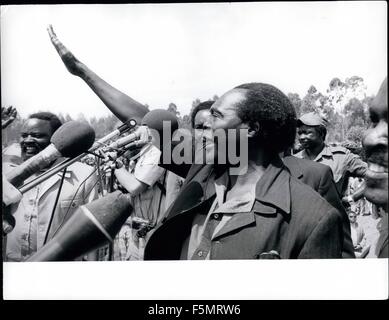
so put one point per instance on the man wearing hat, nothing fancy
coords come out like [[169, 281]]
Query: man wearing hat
[[312, 133]]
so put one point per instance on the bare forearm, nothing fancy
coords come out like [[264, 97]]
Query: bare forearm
[[120, 104], [129, 182], [117, 102]]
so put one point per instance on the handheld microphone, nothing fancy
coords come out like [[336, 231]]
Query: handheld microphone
[[90, 227], [127, 126], [123, 141], [69, 140]]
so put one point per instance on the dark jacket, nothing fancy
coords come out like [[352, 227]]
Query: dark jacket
[[320, 178], [288, 217]]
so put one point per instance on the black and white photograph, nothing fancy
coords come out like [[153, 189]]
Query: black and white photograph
[[174, 147]]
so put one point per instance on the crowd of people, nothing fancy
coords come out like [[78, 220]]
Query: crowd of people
[[316, 200]]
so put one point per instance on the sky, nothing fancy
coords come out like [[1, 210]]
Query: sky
[[162, 53]]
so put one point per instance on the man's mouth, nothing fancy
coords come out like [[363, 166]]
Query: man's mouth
[[377, 168], [30, 150]]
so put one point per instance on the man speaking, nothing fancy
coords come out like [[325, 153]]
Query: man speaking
[[39, 213]]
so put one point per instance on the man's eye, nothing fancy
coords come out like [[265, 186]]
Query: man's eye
[[38, 136]]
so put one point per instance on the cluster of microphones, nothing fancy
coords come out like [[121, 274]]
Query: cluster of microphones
[[92, 224]]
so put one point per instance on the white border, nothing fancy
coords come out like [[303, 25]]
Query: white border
[[191, 280]]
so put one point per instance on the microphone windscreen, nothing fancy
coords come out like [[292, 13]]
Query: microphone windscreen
[[73, 138], [90, 227], [111, 211], [155, 118]]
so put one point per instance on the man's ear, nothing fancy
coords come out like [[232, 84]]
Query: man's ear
[[253, 129]]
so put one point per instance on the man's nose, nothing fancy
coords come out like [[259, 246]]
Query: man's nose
[[376, 135], [28, 138]]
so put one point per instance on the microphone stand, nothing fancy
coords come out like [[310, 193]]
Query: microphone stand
[[111, 189]]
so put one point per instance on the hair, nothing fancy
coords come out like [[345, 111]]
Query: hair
[[206, 105], [55, 123], [274, 113]]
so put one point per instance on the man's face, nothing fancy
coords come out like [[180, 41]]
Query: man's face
[[224, 118], [375, 143], [309, 137], [202, 125], [35, 136], [224, 111], [352, 217]]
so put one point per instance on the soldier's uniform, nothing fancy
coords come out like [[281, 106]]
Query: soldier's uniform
[[342, 162]]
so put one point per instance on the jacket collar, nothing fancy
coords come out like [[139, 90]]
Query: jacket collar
[[272, 192], [273, 189], [294, 166]]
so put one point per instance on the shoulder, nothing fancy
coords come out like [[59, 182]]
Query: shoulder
[[81, 169], [12, 154], [307, 166], [299, 154], [338, 150], [307, 204]]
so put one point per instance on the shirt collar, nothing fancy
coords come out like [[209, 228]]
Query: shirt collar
[[271, 191], [326, 152]]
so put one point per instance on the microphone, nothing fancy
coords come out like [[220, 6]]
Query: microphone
[[153, 120], [127, 126], [69, 140], [53, 170], [90, 227], [123, 141]]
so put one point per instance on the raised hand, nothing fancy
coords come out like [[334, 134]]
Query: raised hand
[[8, 115], [70, 61], [120, 104]]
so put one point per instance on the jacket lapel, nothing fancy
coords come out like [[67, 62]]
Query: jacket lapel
[[237, 221]]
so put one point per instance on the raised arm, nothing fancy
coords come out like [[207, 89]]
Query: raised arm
[[8, 115], [119, 103]]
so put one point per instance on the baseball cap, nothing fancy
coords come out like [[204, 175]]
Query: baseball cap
[[312, 119]]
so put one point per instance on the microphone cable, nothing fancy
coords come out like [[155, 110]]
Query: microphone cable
[[74, 196], [54, 206]]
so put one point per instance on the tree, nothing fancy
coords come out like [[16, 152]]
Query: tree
[[355, 134], [296, 102], [312, 101]]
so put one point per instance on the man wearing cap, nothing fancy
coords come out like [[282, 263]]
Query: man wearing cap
[[312, 133]]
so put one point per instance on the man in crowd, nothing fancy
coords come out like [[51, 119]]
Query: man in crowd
[[375, 145], [314, 174], [262, 213], [145, 182], [36, 208], [312, 132]]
